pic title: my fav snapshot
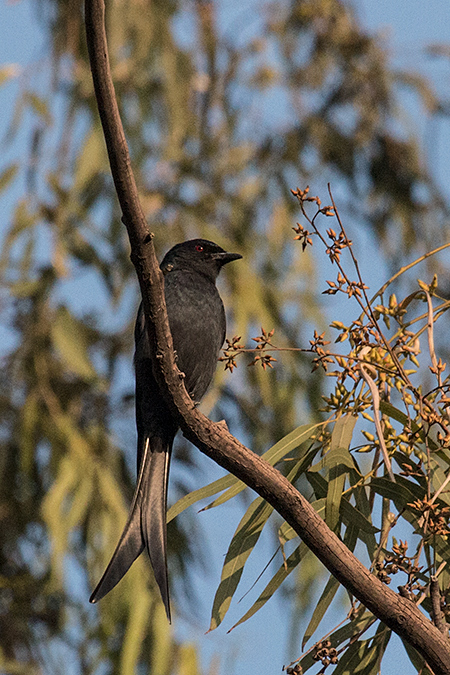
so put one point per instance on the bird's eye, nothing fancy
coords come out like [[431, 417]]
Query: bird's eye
[[199, 248]]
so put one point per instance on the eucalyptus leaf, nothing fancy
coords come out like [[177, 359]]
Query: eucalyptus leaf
[[70, 339]]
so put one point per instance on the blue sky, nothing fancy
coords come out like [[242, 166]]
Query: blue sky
[[408, 27]]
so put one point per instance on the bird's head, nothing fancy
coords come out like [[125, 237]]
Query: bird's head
[[199, 255]]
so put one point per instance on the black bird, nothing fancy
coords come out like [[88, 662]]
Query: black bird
[[197, 323]]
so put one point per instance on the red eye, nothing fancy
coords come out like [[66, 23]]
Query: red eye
[[199, 248]]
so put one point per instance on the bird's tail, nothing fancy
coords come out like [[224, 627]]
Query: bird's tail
[[146, 525]]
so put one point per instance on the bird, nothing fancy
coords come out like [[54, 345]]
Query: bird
[[197, 323]]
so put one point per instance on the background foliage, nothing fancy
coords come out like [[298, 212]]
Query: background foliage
[[223, 114]]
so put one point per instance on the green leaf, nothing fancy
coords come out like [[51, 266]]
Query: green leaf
[[395, 414], [188, 661], [405, 492], [286, 533], [81, 499], [227, 481], [8, 175], [402, 492], [135, 633], [318, 483], [324, 602], [282, 573], [287, 567], [91, 160], [341, 635], [350, 539], [351, 629], [290, 442], [52, 509], [438, 476], [382, 637], [338, 460], [416, 659], [339, 454], [30, 418], [9, 71], [70, 339], [39, 106], [363, 507], [273, 456], [334, 493], [351, 659], [341, 436], [319, 507], [23, 221], [197, 495], [369, 654], [24, 289], [351, 515], [242, 544]]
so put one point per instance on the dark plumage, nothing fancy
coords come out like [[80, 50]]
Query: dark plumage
[[197, 323]]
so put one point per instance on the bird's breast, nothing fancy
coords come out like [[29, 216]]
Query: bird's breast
[[197, 323]]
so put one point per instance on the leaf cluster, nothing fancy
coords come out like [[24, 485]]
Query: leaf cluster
[[397, 477]]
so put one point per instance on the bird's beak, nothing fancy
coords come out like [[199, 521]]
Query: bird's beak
[[225, 258]]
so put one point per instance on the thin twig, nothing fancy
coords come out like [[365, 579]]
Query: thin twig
[[376, 410], [402, 270], [430, 333], [436, 610]]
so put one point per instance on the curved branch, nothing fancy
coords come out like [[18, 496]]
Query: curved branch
[[400, 614]]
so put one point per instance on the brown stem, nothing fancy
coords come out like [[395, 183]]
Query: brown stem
[[213, 439], [436, 610]]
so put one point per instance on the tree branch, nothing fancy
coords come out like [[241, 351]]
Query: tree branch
[[400, 614], [436, 610]]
